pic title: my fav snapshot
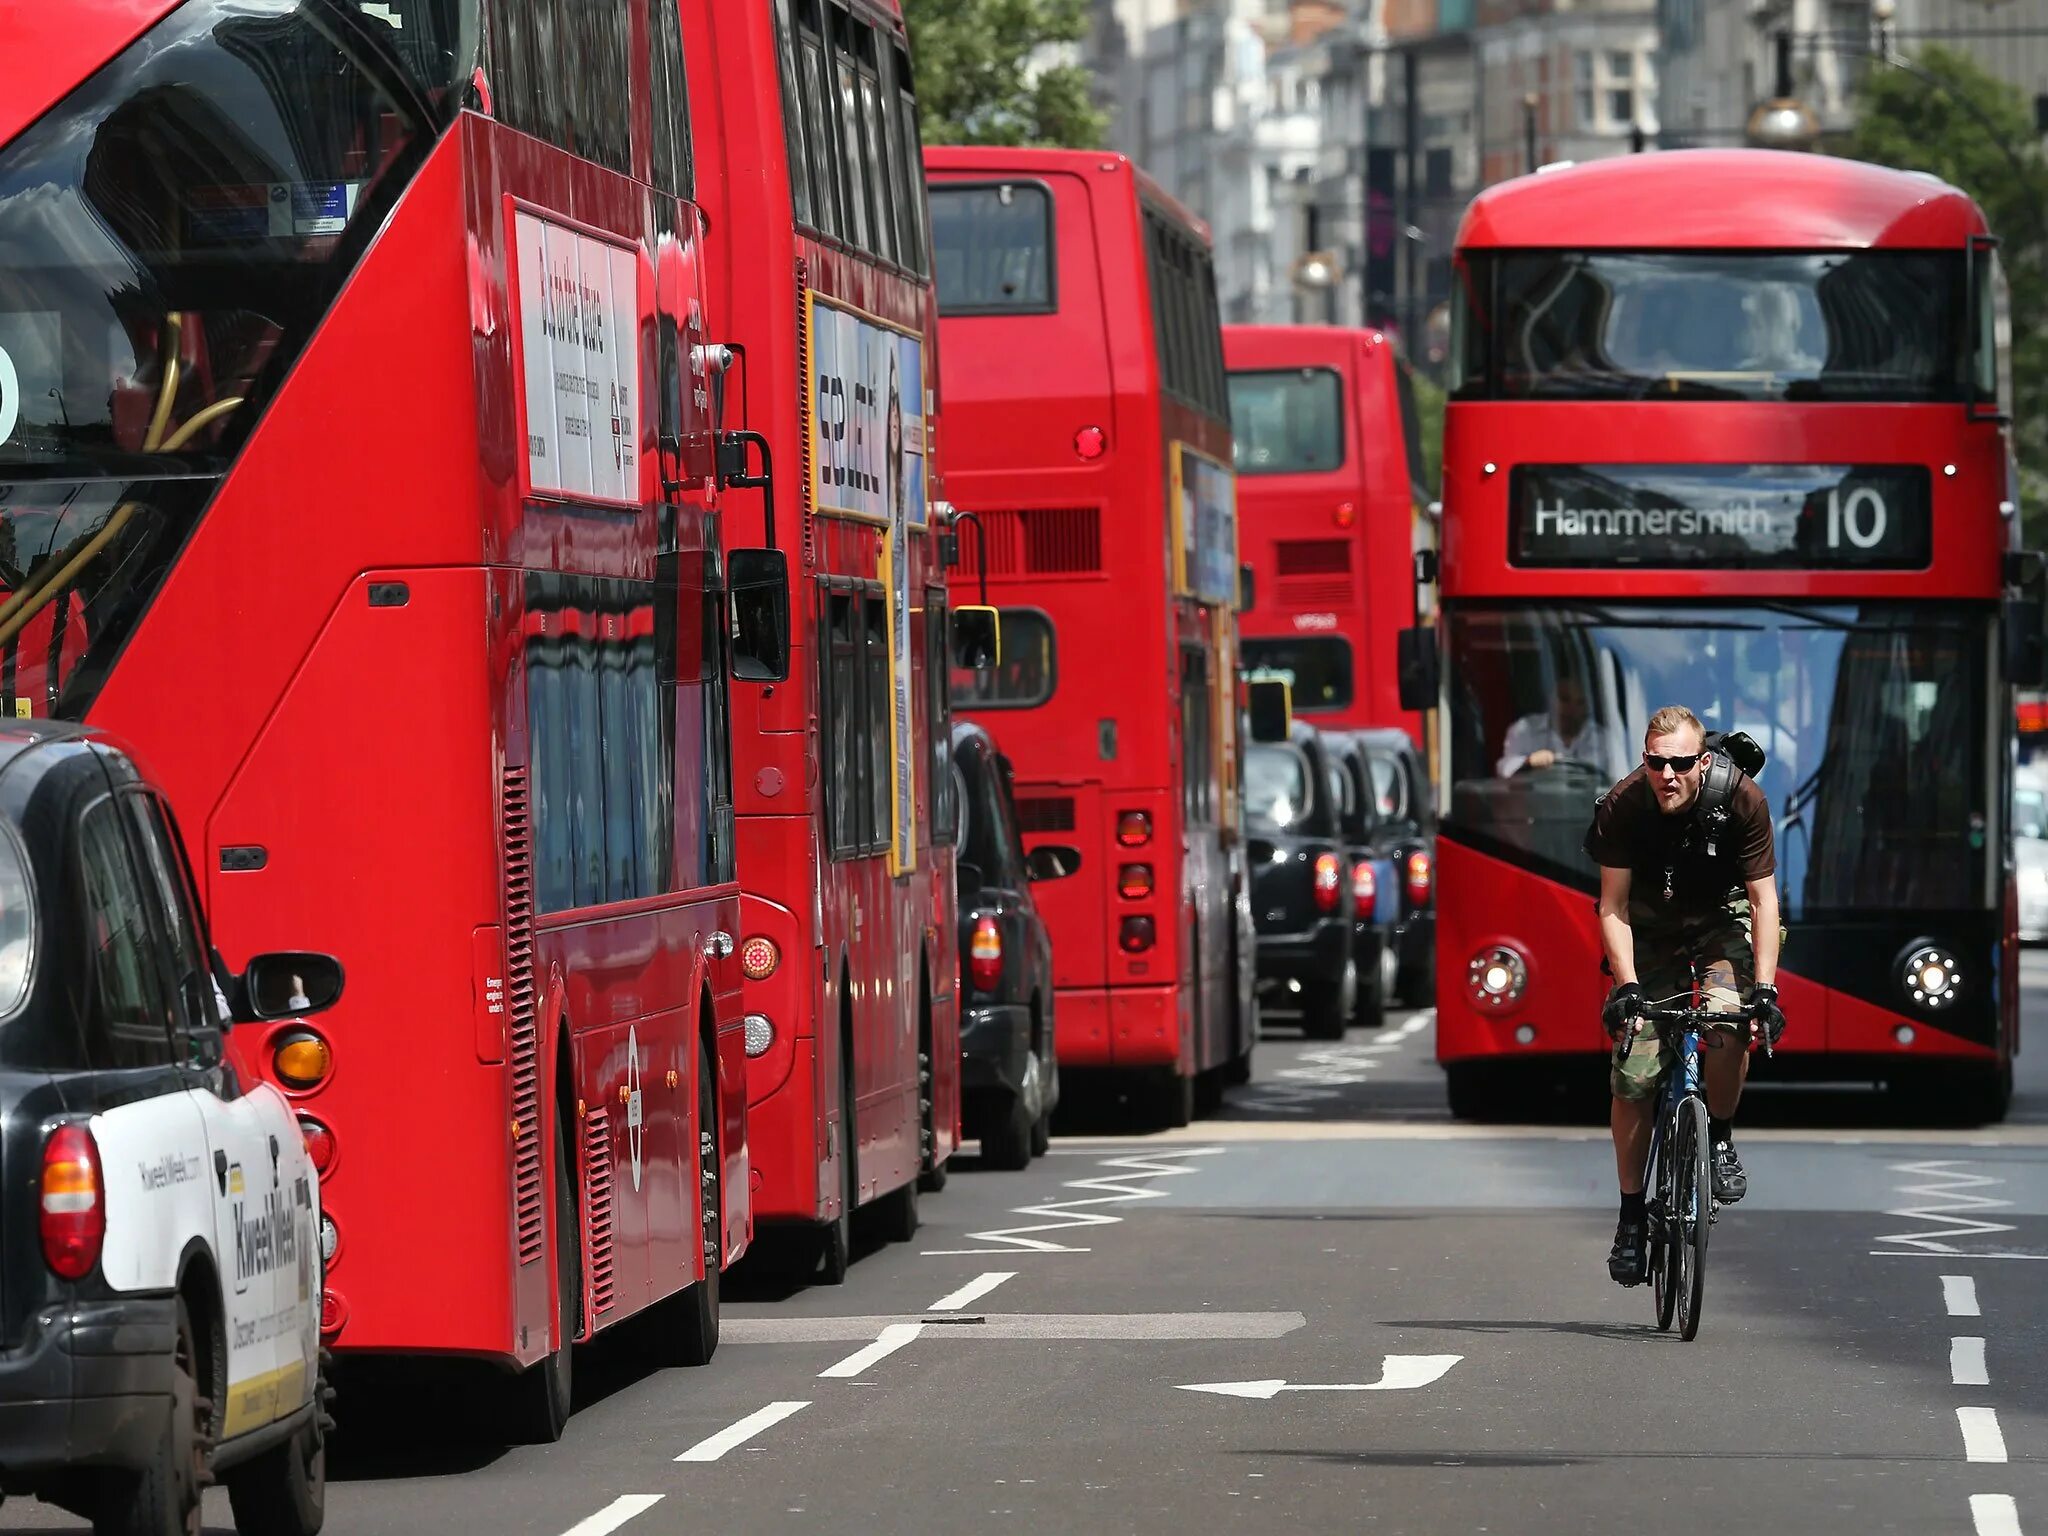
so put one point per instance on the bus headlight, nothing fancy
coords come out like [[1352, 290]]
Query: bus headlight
[[760, 1034], [1929, 975], [1496, 977]]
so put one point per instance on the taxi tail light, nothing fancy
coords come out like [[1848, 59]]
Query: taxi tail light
[[1329, 875], [1134, 829], [1421, 877], [985, 954], [1365, 889], [1135, 935], [73, 1217]]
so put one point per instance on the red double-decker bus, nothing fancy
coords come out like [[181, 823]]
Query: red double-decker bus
[[357, 461], [1089, 433], [1728, 430], [1333, 513], [807, 111]]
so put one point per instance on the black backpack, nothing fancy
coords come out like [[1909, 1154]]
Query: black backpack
[[1736, 754]]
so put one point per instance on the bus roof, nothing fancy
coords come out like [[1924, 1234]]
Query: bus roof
[[1007, 160], [1721, 199], [1284, 346], [55, 47]]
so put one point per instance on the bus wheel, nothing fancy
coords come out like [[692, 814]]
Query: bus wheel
[[1175, 1098], [896, 1213], [692, 1320], [537, 1407], [932, 1174], [835, 1238]]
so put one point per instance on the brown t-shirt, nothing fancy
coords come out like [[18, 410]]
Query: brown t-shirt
[[1701, 865]]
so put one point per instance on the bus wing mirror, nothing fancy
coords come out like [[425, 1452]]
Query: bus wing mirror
[[1247, 590], [286, 985], [757, 589], [2024, 620], [977, 637], [1270, 704], [1417, 664]]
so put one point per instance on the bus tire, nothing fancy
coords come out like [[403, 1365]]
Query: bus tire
[[835, 1238], [162, 1499], [1176, 1098], [896, 1213], [692, 1320], [537, 1407]]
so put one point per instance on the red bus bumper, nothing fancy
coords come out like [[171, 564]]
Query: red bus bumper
[[783, 1133], [1117, 1027]]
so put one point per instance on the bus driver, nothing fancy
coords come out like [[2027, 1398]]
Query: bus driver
[[1675, 884]]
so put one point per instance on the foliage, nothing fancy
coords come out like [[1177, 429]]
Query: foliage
[[1921, 124], [1429, 417], [982, 77]]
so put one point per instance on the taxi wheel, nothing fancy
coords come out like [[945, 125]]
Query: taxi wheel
[[283, 1492], [163, 1498], [693, 1312]]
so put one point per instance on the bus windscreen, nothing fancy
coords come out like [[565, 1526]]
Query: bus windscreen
[[1287, 421]]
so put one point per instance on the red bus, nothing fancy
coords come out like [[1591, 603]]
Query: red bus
[[1333, 504], [330, 476], [1090, 435], [806, 121], [1705, 464]]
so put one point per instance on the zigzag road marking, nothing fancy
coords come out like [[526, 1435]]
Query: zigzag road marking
[[1945, 1186], [1079, 1214], [1316, 1080]]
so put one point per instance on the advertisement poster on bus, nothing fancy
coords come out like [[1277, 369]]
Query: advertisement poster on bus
[[866, 392], [1205, 526], [579, 362]]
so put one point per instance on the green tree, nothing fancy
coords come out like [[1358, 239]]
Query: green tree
[[979, 76], [1991, 153], [1429, 422]]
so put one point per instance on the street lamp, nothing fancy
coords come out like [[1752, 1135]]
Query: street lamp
[[1318, 272], [1784, 122]]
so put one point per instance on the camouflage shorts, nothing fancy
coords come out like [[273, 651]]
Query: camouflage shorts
[[1720, 942]]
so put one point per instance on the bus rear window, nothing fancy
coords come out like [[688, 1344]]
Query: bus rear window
[[1287, 421], [1750, 325], [993, 247], [1027, 673], [1316, 667]]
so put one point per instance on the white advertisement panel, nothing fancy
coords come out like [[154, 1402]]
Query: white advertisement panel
[[579, 361]]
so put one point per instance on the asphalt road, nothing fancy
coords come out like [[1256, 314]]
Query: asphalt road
[[1412, 1318]]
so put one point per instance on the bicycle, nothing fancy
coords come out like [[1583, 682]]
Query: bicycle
[[1681, 1211]]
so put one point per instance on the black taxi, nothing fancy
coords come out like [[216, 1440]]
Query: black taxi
[[160, 1229]]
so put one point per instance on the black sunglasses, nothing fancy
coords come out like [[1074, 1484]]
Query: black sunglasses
[[1684, 764]]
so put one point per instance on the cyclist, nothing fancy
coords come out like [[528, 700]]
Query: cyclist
[[1680, 881]]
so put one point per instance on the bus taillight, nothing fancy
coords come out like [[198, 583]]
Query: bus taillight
[[758, 958], [1329, 875], [1134, 881], [1421, 876], [1135, 935], [319, 1143], [1134, 829]]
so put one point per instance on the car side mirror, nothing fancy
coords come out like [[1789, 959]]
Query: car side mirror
[[1052, 861], [1270, 703], [977, 637], [1418, 667], [757, 589], [287, 984]]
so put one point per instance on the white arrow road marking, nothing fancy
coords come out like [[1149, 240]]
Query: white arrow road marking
[[973, 1290], [1398, 1373]]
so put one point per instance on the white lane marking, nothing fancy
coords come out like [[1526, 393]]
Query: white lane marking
[[978, 1327], [893, 1338], [1982, 1439], [614, 1514], [1067, 1215], [1994, 1514], [973, 1290], [1398, 1373], [1901, 1253], [1959, 1295], [714, 1446], [1966, 1363], [1943, 1198]]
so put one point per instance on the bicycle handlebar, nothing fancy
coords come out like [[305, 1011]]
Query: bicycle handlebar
[[1667, 1020]]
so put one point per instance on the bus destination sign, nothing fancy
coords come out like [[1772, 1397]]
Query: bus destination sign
[[1721, 516]]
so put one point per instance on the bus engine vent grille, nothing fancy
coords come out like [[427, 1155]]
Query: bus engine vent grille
[[1062, 541], [529, 1201], [597, 1173], [1045, 813], [1311, 557]]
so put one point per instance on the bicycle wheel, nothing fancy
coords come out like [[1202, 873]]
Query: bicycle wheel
[[1695, 1211], [1663, 1253]]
